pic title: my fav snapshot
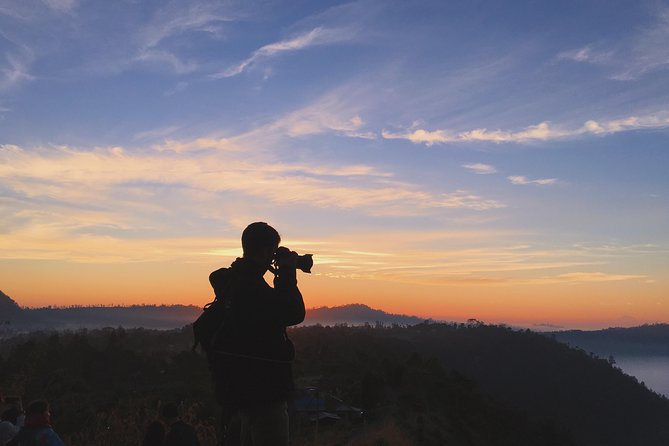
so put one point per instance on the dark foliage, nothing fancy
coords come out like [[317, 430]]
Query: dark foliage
[[428, 384]]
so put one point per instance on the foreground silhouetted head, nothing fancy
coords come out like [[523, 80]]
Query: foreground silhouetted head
[[259, 238], [11, 414], [169, 411], [38, 407]]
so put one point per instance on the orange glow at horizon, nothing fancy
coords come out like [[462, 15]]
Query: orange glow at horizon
[[594, 304]]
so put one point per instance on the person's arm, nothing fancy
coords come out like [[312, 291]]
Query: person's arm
[[289, 296], [264, 306]]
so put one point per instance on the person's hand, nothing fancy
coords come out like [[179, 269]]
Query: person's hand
[[284, 258]]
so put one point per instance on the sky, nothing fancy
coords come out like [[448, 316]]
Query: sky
[[504, 161]]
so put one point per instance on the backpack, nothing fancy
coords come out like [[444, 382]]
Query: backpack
[[212, 319], [208, 323]]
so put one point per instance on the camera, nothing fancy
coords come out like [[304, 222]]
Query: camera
[[302, 262]]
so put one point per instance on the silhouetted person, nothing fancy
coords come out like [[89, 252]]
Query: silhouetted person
[[155, 434], [179, 432], [251, 354], [37, 428], [9, 424]]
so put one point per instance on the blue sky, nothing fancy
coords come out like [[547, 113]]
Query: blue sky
[[514, 144]]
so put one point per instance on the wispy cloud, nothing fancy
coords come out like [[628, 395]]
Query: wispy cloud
[[544, 131], [177, 18], [197, 145], [180, 86], [335, 112], [649, 50], [162, 56], [154, 41], [320, 118], [519, 179], [480, 168], [433, 261], [584, 277], [314, 37], [63, 6], [492, 264], [586, 54], [629, 59], [15, 70], [160, 133], [32, 9]]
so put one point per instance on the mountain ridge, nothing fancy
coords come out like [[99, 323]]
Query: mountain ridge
[[8, 308], [642, 340], [171, 316]]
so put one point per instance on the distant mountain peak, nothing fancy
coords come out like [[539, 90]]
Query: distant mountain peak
[[357, 313], [7, 304]]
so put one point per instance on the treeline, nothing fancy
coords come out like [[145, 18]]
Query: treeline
[[645, 340], [427, 384]]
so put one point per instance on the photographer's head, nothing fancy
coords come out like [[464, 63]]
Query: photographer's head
[[259, 241]]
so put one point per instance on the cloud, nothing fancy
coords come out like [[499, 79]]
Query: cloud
[[156, 133], [650, 51], [161, 56], [15, 69], [153, 37], [199, 144], [317, 36], [584, 277], [544, 131], [657, 121], [480, 168], [334, 112], [540, 132], [585, 54], [466, 200], [318, 119], [180, 86], [29, 10], [128, 34], [432, 259], [62, 6], [518, 179], [154, 40], [177, 18], [630, 58], [65, 175], [422, 136]]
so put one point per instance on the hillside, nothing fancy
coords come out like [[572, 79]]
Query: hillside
[[7, 305], [544, 379], [645, 340], [429, 384]]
